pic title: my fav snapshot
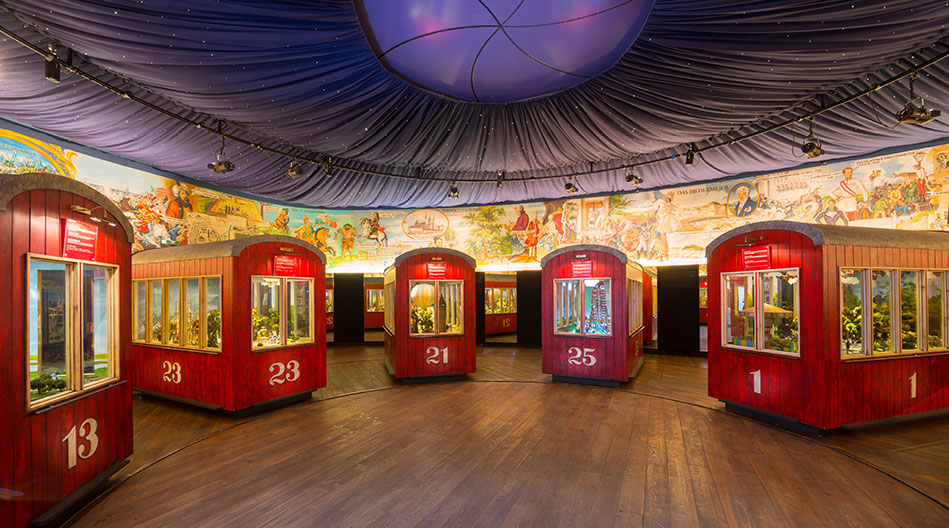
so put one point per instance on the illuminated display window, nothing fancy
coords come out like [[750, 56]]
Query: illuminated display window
[[329, 301], [388, 295], [761, 311], [68, 349], [436, 307], [500, 300], [375, 301], [906, 307], [634, 295], [583, 307], [279, 318], [184, 312]]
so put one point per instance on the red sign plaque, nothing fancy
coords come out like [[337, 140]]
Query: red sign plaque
[[581, 269], [79, 240], [756, 258], [284, 265], [437, 270]]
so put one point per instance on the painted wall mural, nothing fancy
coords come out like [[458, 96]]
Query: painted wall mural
[[905, 190]]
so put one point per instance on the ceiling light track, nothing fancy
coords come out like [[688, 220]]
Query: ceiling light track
[[52, 57]]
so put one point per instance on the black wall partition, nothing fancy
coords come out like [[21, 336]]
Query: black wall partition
[[349, 313], [678, 299], [479, 307], [528, 308]]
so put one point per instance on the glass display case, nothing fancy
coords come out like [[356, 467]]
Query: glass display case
[[192, 304], [760, 310], [268, 326], [436, 307], [375, 301], [583, 307], [329, 301], [500, 300]]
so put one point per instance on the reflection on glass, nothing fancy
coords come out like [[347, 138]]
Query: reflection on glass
[[779, 307], [421, 307], [265, 300], [329, 301], [141, 309], [934, 309], [192, 312], [298, 329], [909, 309], [489, 300], [375, 301], [882, 336], [597, 304], [156, 328], [95, 323], [46, 356], [213, 310], [450, 308], [389, 302], [567, 306], [739, 310], [634, 297], [513, 300], [851, 311], [172, 307]]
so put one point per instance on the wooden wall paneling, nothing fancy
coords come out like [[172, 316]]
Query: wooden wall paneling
[[10, 400]]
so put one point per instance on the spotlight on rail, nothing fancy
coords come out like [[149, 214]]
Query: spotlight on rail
[[632, 178], [222, 165], [453, 191], [913, 114], [570, 187], [295, 171], [811, 146]]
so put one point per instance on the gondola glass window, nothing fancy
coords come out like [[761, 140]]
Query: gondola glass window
[[436, 307], [897, 318], [634, 296], [761, 310], [329, 301], [180, 312], [375, 301], [739, 320], [265, 313], [500, 300], [298, 328], [62, 358], [779, 305], [583, 306]]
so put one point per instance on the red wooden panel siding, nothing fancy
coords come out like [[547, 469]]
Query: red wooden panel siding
[[33, 464], [407, 355], [820, 389], [500, 323], [612, 353], [371, 320], [236, 377]]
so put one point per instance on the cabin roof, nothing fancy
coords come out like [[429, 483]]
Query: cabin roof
[[585, 247], [440, 251], [224, 248]]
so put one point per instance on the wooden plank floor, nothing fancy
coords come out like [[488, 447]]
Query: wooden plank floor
[[505, 454], [915, 452]]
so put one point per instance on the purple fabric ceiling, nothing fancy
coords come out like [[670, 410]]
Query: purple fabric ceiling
[[500, 50], [300, 74]]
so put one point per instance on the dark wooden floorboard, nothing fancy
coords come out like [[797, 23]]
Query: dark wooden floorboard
[[597, 458]]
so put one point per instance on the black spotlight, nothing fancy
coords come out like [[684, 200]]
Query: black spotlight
[[632, 178], [221, 166], [811, 146], [500, 179], [570, 187], [327, 164], [916, 115], [295, 171], [690, 155], [453, 191]]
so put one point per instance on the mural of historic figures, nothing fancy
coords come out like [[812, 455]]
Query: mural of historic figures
[[903, 191]]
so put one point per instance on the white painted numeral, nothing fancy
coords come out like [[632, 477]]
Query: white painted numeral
[[912, 385], [87, 430], [756, 381], [172, 372], [580, 356], [288, 372], [435, 355]]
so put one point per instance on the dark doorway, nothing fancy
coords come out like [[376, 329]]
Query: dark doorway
[[528, 308], [349, 308], [678, 308]]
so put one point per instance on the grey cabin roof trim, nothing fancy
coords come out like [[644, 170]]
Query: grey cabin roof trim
[[585, 247], [422, 251], [224, 248], [832, 235], [13, 185]]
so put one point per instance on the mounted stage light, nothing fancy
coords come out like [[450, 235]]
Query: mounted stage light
[[916, 115], [221, 164], [690, 155], [327, 164], [570, 187], [295, 170], [811, 147], [453, 191], [631, 177]]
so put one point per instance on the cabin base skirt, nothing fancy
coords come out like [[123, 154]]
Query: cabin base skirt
[[775, 419], [580, 380], [259, 407], [55, 515], [434, 378]]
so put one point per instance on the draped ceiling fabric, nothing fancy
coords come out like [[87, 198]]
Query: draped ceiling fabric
[[301, 74]]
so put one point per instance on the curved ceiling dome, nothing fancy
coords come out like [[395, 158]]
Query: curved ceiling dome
[[500, 50]]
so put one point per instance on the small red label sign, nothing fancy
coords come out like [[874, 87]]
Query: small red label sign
[[581, 269], [756, 258], [437, 270], [284, 265], [79, 240]]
